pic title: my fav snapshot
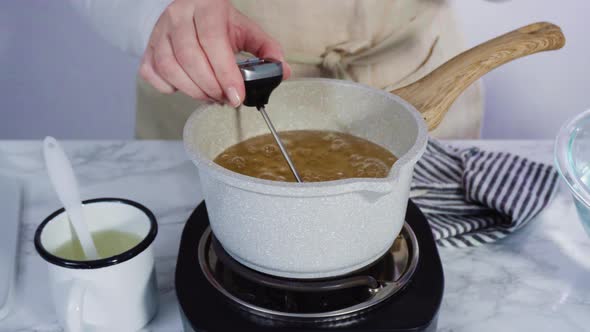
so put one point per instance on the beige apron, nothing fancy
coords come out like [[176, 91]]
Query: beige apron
[[382, 43]]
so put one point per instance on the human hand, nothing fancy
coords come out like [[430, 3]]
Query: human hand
[[192, 49]]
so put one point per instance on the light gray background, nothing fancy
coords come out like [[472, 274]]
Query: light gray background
[[57, 77]]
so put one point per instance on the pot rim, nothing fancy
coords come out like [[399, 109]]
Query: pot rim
[[325, 188]]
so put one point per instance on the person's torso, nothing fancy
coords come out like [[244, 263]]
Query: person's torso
[[381, 43], [321, 37]]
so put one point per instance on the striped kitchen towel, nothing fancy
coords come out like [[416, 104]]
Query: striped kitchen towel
[[471, 197]]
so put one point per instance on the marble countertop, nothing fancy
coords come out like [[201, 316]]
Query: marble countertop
[[538, 279]]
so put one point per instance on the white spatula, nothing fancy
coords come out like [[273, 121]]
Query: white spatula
[[65, 185]]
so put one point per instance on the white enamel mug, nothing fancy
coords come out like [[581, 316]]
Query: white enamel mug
[[117, 293]]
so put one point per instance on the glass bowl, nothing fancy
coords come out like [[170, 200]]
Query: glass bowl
[[572, 159]]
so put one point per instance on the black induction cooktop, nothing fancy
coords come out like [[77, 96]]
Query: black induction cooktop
[[413, 308]]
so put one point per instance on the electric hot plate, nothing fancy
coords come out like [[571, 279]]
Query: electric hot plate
[[401, 291]]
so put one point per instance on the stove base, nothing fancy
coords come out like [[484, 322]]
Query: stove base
[[414, 308]]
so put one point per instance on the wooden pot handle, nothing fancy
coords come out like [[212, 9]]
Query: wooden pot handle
[[435, 93]]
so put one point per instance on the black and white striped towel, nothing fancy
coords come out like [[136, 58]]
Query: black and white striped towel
[[471, 197]]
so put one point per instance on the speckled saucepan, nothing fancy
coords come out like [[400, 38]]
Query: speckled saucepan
[[324, 229]]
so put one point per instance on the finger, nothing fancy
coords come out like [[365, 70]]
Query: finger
[[191, 58], [168, 68], [256, 41], [147, 73], [212, 33]]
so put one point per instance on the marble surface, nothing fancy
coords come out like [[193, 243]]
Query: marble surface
[[538, 279]]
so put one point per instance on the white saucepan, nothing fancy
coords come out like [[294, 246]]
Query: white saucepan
[[325, 229]]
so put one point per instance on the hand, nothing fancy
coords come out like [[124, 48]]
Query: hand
[[192, 49]]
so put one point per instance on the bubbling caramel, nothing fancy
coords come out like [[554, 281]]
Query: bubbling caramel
[[318, 156]]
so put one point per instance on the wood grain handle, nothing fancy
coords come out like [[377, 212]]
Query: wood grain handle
[[435, 93]]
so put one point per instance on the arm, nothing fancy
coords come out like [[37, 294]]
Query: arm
[[127, 24]]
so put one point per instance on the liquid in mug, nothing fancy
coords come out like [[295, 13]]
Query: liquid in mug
[[108, 243]]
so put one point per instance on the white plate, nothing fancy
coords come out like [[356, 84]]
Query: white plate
[[10, 206]]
